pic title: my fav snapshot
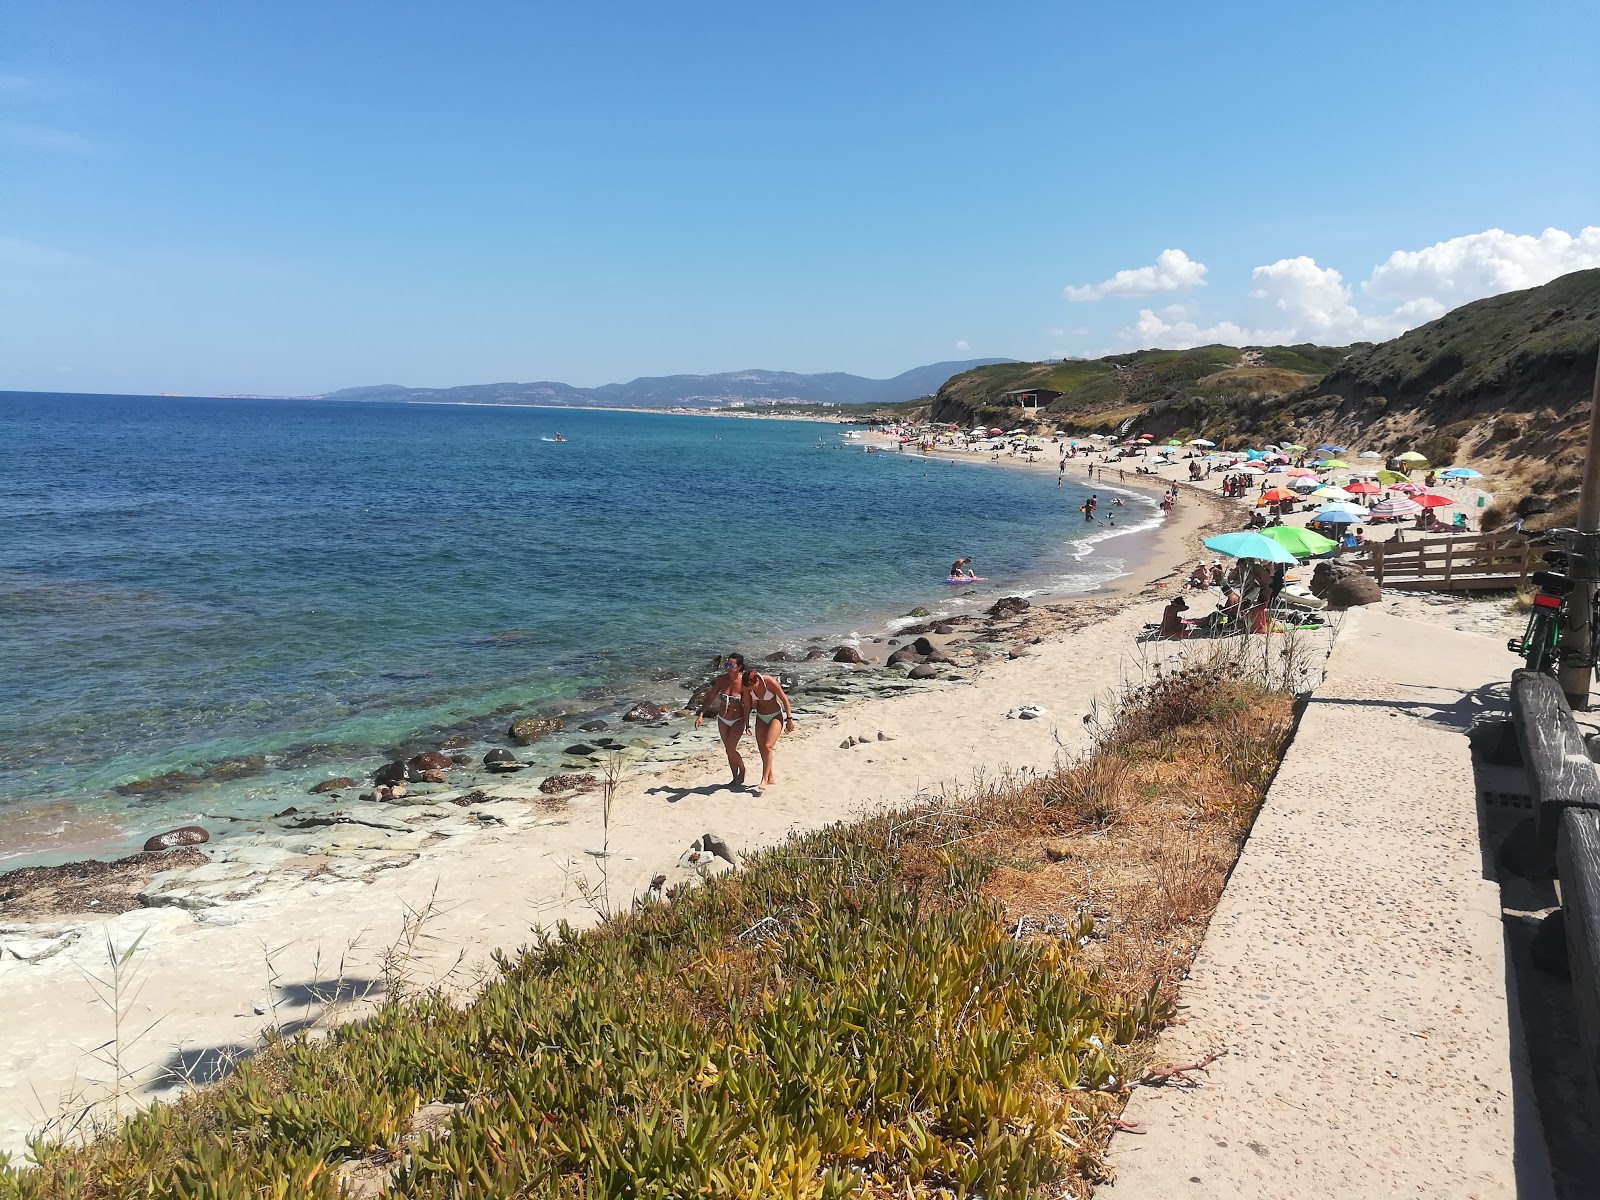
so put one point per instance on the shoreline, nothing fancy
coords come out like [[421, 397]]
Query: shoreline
[[354, 880], [58, 832]]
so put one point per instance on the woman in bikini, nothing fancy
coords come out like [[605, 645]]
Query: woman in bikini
[[728, 700], [769, 703]]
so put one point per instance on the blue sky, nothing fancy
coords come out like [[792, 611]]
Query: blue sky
[[294, 197]]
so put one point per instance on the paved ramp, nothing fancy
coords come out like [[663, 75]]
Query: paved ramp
[[1355, 969]]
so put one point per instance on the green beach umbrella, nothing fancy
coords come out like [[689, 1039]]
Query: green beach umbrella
[[1174, 442], [1292, 446], [1412, 456], [1302, 543], [1333, 464], [1249, 545]]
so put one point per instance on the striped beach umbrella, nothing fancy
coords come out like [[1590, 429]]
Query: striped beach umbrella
[[1396, 506]]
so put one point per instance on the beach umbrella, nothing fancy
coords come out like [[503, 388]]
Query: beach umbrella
[[1302, 471], [1201, 442], [1251, 466], [996, 432], [1408, 488], [1391, 477], [1333, 464], [1369, 454], [1293, 446], [1338, 514], [1174, 442], [1429, 500], [1463, 473], [1332, 449], [1344, 506], [1332, 493], [1277, 495], [1361, 472], [1249, 544], [1302, 543], [1305, 483], [1396, 506], [1363, 487], [1412, 456]]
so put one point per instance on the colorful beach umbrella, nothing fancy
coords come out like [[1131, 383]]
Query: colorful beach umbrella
[[1363, 487], [1332, 449], [1340, 506], [1302, 471], [1201, 442], [1248, 544], [1391, 477], [1277, 495], [1302, 543], [1293, 446], [1462, 473], [1411, 456], [1408, 488], [1396, 506], [1305, 483], [1430, 500], [1331, 493], [1333, 464], [1338, 514]]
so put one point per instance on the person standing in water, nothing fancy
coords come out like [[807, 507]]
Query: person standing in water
[[728, 701], [768, 704]]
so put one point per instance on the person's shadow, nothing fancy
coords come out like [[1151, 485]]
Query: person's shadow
[[675, 794]]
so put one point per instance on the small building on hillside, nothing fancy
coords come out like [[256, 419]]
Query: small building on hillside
[[1029, 399]]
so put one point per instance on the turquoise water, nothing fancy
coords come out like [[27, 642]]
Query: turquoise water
[[185, 580]]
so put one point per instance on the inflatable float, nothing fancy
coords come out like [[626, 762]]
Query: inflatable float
[[966, 579]]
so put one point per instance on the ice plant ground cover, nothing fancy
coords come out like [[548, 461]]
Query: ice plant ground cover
[[953, 998]]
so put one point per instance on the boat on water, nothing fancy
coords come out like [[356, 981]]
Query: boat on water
[[557, 438]]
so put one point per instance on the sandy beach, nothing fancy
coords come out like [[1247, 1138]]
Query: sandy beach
[[269, 936]]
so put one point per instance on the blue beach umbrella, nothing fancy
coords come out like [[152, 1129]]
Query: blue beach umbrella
[[1249, 545], [1462, 473], [1332, 449], [1337, 514]]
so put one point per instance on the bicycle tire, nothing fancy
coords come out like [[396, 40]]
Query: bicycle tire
[[1539, 649]]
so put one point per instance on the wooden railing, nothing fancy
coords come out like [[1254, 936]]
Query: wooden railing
[[1475, 561], [1566, 797]]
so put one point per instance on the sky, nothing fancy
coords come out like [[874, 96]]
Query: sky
[[290, 198]]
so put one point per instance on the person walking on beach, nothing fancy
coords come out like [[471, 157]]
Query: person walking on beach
[[728, 701], [768, 704]]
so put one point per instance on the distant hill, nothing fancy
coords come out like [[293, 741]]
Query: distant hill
[[700, 391], [1503, 383]]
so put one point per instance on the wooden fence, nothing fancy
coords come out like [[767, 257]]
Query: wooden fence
[[1498, 561]]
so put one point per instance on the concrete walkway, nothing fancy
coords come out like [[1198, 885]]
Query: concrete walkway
[[1355, 969]]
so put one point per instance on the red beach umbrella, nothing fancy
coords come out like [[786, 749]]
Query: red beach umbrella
[[1274, 495], [1363, 487], [1429, 500]]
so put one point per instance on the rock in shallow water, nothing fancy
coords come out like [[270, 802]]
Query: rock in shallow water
[[333, 785], [530, 729], [644, 711], [429, 760]]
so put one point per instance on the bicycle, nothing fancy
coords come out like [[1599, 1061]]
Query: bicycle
[[1541, 645]]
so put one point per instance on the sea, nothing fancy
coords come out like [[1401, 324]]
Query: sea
[[262, 593]]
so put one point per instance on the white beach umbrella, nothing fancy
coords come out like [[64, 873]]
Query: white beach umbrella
[[1332, 493], [1340, 506], [1201, 442], [1369, 454], [1305, 483]]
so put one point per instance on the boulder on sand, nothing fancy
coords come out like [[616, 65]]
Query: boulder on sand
[[847, 654], [189, 835], [333, 785], [566, 783], [429, 760], [1343, 584], [906, 654], [644, 711], [1008, 606]]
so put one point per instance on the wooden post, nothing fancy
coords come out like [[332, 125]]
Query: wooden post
[[1377, 563], [1527, 555], [1449, 563]]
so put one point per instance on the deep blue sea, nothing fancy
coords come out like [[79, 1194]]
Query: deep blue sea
[[185, 580]]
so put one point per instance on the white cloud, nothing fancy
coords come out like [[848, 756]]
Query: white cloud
[[963, 344], [1313, 303], [1173, 271], [1482, 264]]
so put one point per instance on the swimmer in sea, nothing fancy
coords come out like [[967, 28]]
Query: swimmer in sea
[[728, 701]]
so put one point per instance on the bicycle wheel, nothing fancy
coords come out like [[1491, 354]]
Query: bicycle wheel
[[1540, 647]]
